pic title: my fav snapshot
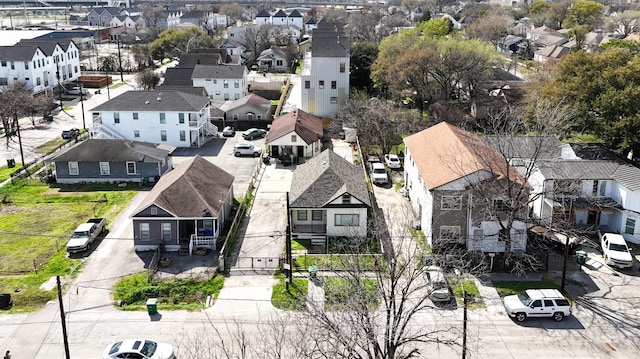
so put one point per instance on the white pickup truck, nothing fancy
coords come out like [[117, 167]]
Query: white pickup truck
[[85, 234], [615, 251]]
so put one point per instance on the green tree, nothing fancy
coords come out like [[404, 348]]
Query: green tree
[[603, 88], [579, 34], [435, 27], [173, 42], [538, 7], [363, 54], [631, 46], [584, 12], [147, 79]]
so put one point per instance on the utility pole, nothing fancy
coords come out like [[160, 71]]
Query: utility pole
[[464, 324], [62, 320], [288, 260], [120, 60], [84, 126], [20, 142]]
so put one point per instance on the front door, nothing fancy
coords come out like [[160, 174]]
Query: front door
[[300, 152]]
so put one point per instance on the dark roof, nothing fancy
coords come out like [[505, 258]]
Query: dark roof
[[191, 188], [70, 34], [218, 72], [253, 100], [178, 76], [263, 13], [193, 59], [47, 46], [627, 174], [329, 40], [325, 178], [526, 147], [18, 53], [198, 91], [280, 13], [577, 169], [154, 101], [194, 14], [305, 125], [295, 13], [311, 21], [113, 150], [271, 52]]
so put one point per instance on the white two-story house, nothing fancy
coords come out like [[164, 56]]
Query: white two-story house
[[42, 65], [222, 82], [167, 117], [325, 71]]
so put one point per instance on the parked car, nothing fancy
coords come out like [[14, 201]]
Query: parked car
[[537, 303], [437, 284], [253, 133], [228, 132], [71, 133], [378, 173], [246, 149], [392, 161], [77, 90], [138, 348], [615, 251]]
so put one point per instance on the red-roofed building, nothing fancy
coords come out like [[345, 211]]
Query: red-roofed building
[[297, 133]]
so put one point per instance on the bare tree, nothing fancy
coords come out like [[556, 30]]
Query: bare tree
[[147, 80], [15, 101]]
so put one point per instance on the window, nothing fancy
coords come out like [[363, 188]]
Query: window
[[316, 215], [346, 199], [163, 135], [536, 304], [166, 231], [226, 97], [116, 117], [4, 63], [334, 100], [163, 117], [334, 85], [450, 203], [136, 133], [215, 81], [135, 115], [34, 64], [500, 205], [225, 84], [73, 169], [594, 189], [307, 84], [630, 225], [154, 211], [236, 96], [294, 138], [302, 215], [104, 169], [235, 117], [279, 63], [450, 232], [38, 81], [3, 81], [236, 84], [347, 220], [144, 232], [321, 84], [548, 303], [181, 117], [26, 65], [183, 136], [343, 67], [13, 65], [131, 168]]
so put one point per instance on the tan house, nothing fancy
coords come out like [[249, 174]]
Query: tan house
[[456, 184], [295, 135]]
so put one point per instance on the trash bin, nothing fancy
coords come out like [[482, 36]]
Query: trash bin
[[11, 162], [152, 306], [581, 257], [313, 272]]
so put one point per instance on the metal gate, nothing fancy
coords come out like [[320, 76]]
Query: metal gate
[[253, 262]]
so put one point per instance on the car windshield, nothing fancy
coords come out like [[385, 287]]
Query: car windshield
[[379, 170], [148, 348], [524, 298], [618, 247]]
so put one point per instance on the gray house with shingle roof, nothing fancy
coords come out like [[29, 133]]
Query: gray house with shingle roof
[[163, 116], [588, 186], [222, 82], [186, 209], [112, 160], [329, 198]]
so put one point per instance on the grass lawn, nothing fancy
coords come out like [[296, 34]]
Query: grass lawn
[[180, 294], [474, 300], [505, 288], [36, 220], [294, 299]]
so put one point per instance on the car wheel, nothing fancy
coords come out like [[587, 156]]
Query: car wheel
[[256, 154], [237, 154], [558, 316], [520, 317]]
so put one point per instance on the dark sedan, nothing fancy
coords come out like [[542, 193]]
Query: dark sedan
[[253, 133]]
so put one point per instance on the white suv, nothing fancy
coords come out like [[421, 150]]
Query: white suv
[[615, 251], [537, 303], [378, 173], [245, 149]]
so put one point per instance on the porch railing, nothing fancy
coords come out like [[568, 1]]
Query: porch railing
[[197, 241]]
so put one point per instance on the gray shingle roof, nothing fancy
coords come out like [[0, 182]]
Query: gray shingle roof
[[329, 40], [190, 188], [218, 72], [178, 76], [531, 147], [577, 169], [18, 53], [154, 101], [324, 178], [113, 150]]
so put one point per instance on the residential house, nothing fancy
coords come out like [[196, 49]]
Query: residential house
[[112, 160], [310, 24], [456, 184], [178, 76], [186, 209], [297, 134], [222, 82], [329, 198], [249, 111], [42, 65], [551, 52], [219, 21], [101, 16], [199, 18], [325, 71], [263, 17], [235, 49], [590, 188], [273, 59], [168, 117]]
